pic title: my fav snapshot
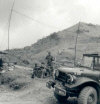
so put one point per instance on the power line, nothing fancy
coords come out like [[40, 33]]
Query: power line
[[31, 18]]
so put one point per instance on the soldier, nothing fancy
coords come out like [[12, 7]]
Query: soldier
[[43, 69], [1, 63], [49, 58], [35, 70]]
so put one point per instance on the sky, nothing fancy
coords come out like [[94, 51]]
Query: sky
[[32, 20]]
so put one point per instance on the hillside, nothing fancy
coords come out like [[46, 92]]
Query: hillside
[[61, 45]]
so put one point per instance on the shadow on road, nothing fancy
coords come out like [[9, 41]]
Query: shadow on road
[[71, 101], [54, 101]]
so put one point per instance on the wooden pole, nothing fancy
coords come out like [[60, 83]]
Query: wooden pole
[[76, 44], [9, 24]]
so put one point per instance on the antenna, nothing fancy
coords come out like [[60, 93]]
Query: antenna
[[10, 16], [9, 24], [76, 44]]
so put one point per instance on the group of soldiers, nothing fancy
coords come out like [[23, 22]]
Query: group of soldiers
[[45, 69]]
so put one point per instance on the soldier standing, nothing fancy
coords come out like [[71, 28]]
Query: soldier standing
[[1, 64], [35, 70], [49, 58]]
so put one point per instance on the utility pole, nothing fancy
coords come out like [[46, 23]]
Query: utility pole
[[9, 24], [76, 44]]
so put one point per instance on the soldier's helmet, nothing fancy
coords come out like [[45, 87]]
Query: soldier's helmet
[[49, 53], [35, 64], [42, 63]]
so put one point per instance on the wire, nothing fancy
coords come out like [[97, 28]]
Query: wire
[[31, 18]]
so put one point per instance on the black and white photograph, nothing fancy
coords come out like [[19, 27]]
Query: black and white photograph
[[49, 51]]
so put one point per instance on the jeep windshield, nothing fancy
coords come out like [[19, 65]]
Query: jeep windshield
[[91, 61]]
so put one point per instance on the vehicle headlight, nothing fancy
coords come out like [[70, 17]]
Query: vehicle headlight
[[71, 78], [55, 73]]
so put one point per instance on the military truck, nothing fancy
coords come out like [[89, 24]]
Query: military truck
[[82, 82]]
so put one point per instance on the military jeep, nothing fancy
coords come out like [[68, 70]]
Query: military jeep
[[82, 82]]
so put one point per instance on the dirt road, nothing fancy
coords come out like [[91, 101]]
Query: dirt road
[[34, 93]]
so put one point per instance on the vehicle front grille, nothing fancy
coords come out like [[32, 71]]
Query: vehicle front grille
[[62, 77]]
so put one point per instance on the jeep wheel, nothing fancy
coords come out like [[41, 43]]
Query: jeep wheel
[[88, 96], [61, 99]]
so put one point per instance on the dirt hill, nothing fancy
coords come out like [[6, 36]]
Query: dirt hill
[[61, 45]]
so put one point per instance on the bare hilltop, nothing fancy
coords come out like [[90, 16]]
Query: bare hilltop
[[61, 45]]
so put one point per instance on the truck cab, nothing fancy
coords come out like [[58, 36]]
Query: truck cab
[[82, 81]]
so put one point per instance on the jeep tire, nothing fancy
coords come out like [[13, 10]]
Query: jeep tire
[[88, 95], [60, 98]]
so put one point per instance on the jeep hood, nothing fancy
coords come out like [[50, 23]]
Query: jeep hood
[[79, 71]]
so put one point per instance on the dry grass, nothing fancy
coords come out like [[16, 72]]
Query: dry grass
[[16, 79], [21, 89]]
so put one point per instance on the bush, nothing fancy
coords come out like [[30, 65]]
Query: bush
[[6, 80], [54, 36], [26, 62], [16, 86]]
